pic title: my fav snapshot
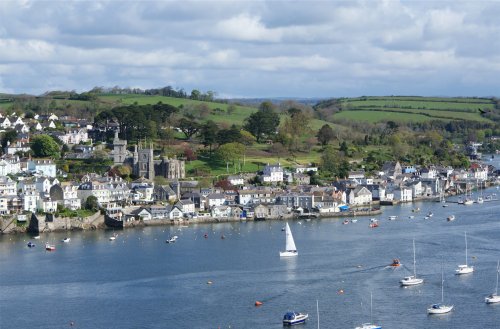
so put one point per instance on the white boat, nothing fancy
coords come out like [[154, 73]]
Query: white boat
[[290, 248], [50, 247], [494, 297], [291, 318], [393, 217], [37, 237], [370, 325], [354, 220], [468, 202], [430, 214], [66, 240], [412, 280], [172, 239], [440, 308], [113, 237], [450, 218], [465, 269]]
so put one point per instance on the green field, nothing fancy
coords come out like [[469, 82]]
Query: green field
[[377, 116], [414, 109], [451, 106]]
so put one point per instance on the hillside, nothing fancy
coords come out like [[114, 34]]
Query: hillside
[[410, 108]]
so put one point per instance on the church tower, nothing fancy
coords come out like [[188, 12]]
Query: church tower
[[119, 150]]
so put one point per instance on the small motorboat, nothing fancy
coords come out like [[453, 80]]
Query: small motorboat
[[395, 263], [172, 239], [291, 318], [373, 223], [31, 244], [430, 214], [450, 218], [50, 247], [354, 220], [393, 217], [66, 240], [37, 237], [205, 235], [345, 222]]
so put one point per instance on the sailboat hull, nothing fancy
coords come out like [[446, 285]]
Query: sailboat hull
[[492, 299], [440, 309], [411, 281], [464, 269], [288, 253]]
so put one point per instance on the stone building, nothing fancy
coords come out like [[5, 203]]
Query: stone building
[[143, 162]]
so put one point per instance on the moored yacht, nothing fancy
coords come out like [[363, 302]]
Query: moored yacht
[[291, 318], [465, 269], [494, 297], [412, 280]]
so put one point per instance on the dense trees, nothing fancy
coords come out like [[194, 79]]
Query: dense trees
[[325, 134], [45, 146], [264, 122], [138, 121]]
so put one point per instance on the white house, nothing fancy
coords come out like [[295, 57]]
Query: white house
[[220, 212], [9, 165], [187, 206], [214, 200], [272, 174], [5, 123], [4, 208], [305, 169], [7, 186], [428, 173], [403, 194], [30, 199], [46, 205], [17, 146], [360, 195], [74, 136], [44, 167], [236, 180], [94, 188]]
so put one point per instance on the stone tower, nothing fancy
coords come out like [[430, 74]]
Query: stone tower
[[143, 162], [119, 150]]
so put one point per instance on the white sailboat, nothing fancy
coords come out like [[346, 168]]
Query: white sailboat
[[465, 269], [494, 297], [370, 325], [480, 197], [440, 308], [412, 280], [290, 248]]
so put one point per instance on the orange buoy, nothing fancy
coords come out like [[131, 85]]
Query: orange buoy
[[257, 303]]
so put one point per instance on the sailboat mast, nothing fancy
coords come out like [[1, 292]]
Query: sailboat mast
[[442, 286], [317, 310], [498, 270], [465, 248], [371, 306], [414, 262]]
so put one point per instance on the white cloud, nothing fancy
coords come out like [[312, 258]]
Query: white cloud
[[253, 48]]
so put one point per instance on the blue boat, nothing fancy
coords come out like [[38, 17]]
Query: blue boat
[[292, 318], [31, 244]]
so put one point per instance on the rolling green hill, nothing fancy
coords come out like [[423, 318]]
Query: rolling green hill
[[411, 108]]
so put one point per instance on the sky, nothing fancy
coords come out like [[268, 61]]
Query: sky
[[303, 49]]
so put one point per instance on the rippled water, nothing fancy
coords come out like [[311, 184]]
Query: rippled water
[[139, 281]]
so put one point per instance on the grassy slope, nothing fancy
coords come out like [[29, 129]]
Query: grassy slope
[[419, 109]]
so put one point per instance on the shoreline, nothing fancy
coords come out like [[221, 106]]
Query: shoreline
[[38, 224]]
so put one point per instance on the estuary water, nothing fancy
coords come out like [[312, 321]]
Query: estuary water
[[139, 281]]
